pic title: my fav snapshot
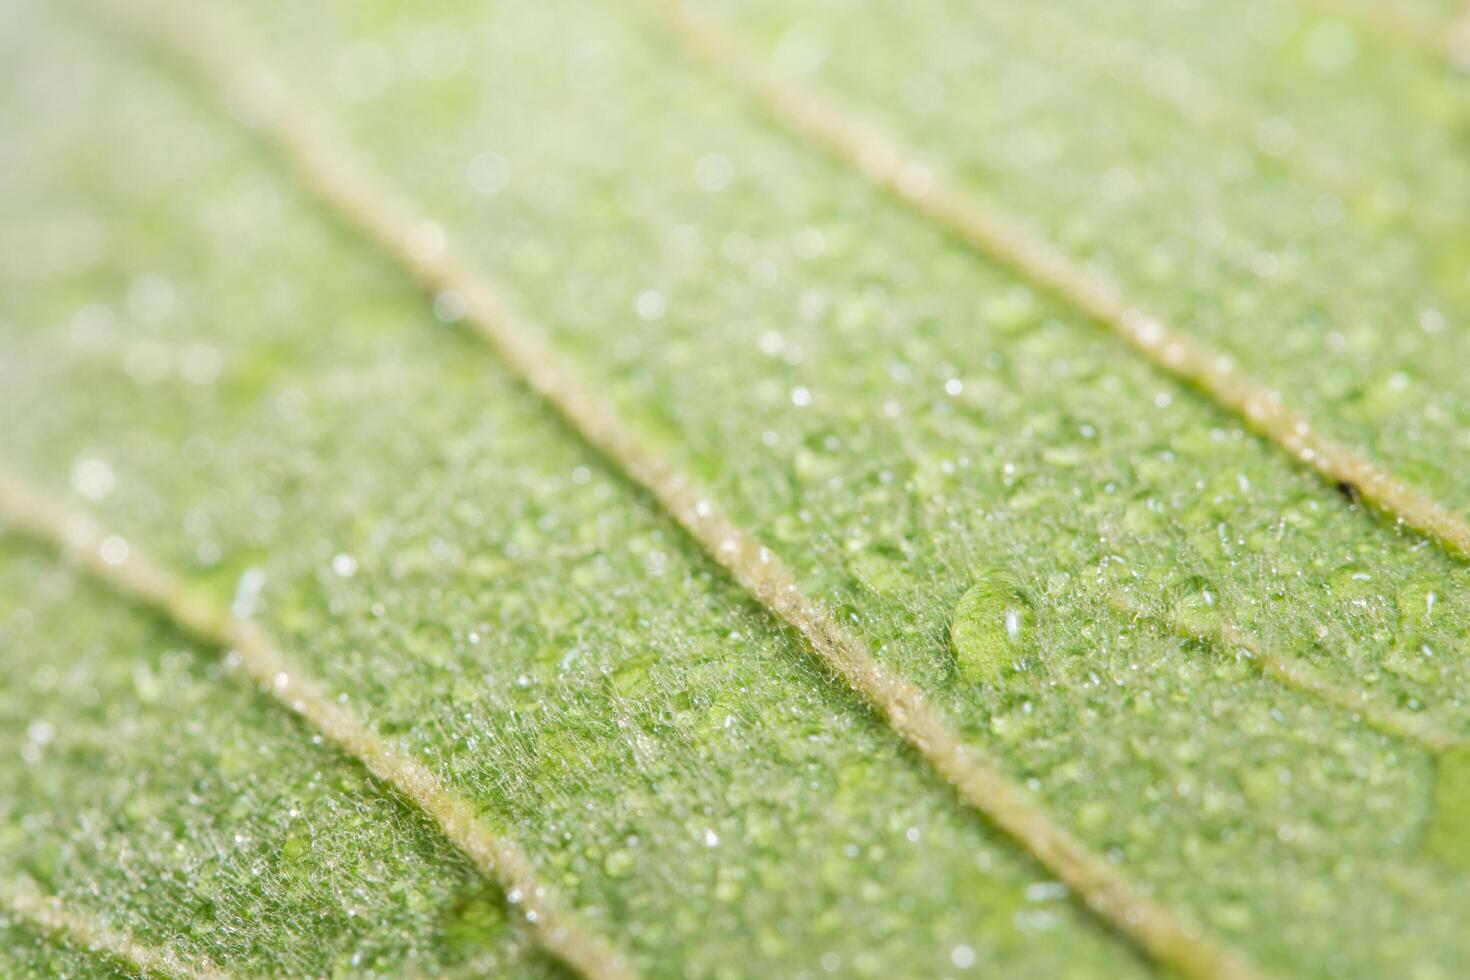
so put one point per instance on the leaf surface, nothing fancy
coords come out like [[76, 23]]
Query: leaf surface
[[985, 485]]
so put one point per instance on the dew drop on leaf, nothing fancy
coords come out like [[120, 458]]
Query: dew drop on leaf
[[618, 863], [1195, 606], [992, 626]]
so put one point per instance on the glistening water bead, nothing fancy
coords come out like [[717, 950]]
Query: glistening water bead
[[991, 628]]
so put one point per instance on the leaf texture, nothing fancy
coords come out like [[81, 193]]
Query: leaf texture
[[1086, 565]]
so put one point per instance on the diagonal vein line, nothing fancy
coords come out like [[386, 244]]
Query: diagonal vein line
[[1379, 17], [111, 559], [390, 223], [1296, 674], [1200, 102], [22, 899], [896, 169]]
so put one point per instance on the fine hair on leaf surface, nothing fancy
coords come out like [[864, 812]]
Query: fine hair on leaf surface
[[733, 489]]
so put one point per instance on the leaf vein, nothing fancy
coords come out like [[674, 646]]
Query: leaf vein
[[24, 900], [130, 572], [894, 168], [421, 247]]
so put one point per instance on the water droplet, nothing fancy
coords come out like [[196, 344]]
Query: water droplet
[[1275, 136], [1045, 891], [450, 306], [488, 172], [1012, 311], [150, 298], [247, 593], [713, 172], [114, 550], [809, 243], [619, 863], [991, 627], [1418, 602], [650, 304], [93, 478], [1196, 607], [200, 364]]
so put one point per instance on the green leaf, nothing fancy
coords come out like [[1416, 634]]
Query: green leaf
[[1236, 684]]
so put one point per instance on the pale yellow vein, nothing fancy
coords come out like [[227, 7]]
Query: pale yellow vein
[[1296, 674], [122, 566], [24, 900], [1200, 102], [895, 168], [423, 250]]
